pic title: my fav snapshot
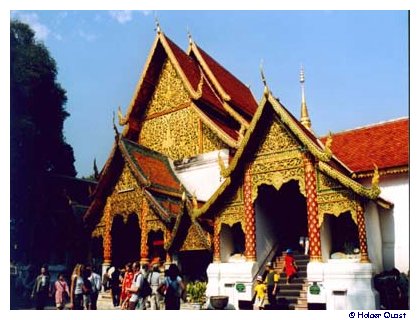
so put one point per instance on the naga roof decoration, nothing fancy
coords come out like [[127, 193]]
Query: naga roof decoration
[[384, 144], [222, 118], [321, 152], [227, 85]]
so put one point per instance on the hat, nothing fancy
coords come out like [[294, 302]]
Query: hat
[[259, 278], [268, 264], [289, 251]]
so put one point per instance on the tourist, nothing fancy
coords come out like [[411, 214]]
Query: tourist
[[41, 290], [271, 280], [62, 292], [87, 289], [115, 287], [290, 267], [95, 280], [174, 288], [155, 281], [106, 279], [127, 281], [260, 290], [135, 302], [76, 288]]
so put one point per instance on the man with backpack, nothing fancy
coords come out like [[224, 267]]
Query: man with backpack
[[140, 289]]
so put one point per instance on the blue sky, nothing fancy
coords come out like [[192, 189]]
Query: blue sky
[[356, 62]]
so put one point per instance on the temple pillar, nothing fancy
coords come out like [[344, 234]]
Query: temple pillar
[[107, 238], [144, 249], [167, 236], [314, 232], [250, 236], [216, 242], [361, 226]]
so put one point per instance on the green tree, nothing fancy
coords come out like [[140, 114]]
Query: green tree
[[37, 147]]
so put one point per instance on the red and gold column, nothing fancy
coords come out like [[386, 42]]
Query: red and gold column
[[250, 236], [361, 226], [107, 238], [216, 241], [168, 259], [144, 249], [312, 208]]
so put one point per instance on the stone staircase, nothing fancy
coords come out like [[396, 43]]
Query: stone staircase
[[295, 293]]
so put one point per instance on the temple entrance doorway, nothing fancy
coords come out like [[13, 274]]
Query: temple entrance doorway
[[193, 264], [233, 240], [155, 243], [125, 240], [281, 218]]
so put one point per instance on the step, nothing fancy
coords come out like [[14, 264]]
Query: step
[[291, 286], [289, 293]]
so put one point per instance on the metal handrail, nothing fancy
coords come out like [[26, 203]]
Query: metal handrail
[[269, 257]]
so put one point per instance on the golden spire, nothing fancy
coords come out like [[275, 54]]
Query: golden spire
[[304, 115]]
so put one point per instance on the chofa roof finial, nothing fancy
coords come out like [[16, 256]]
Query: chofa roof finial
[[266, 90]]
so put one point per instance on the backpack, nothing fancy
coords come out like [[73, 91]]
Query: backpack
[[172, 288], [145, 289]]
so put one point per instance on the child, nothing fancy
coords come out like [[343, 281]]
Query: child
[[260, 289]]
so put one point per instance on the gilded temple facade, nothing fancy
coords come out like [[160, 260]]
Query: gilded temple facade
[[204, 176]]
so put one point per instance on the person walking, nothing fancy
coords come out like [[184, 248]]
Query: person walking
[[155, 281], [271, 280], [126, 284], [41, 290], [135, 302], [174, 288], [95, 280], [290, 267], [260, 290], [62, 292], [76, 288], [116, 287]]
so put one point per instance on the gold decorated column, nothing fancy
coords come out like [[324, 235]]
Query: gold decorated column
[[107, 238], [250, 236], [168, 259], [314, 233], [216, 241], [361, 226], [144, 249]]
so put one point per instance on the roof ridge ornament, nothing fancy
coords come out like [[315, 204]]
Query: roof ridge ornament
[[190, 39], [328, 143], [121, 119], [158, 29], [266, 90], [304, 115], [117, 134]]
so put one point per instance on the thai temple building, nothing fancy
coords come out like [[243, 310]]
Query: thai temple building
[[206, 176]]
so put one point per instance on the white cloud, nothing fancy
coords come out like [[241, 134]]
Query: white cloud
[[122, 16], [32, 19], [87, 36], [146, 12]]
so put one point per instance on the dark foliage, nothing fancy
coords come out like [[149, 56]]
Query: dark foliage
[[37, 145]]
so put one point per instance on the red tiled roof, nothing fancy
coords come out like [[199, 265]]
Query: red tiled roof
[[155, 171], [192, 71], [240, 94], [384, 144], [188, 65]]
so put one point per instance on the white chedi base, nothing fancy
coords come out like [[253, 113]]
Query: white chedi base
[[346, 284], [224, 277]]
